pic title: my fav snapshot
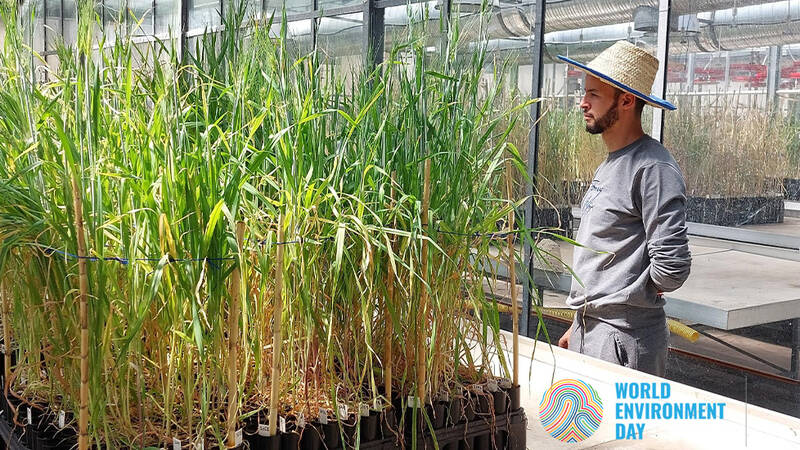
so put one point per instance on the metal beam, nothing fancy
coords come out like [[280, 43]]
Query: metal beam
[[314, 26], [373, 35], [533, 159], [444, 26], [183, 42], [330, 12], [662, 53], [773, 75], [727, 82]]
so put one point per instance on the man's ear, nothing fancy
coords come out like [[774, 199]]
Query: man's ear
[[628, 101]]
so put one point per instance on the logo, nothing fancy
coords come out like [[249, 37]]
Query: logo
[[571, 410]]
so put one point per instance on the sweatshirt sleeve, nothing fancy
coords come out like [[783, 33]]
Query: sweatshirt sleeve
[[662, 198]]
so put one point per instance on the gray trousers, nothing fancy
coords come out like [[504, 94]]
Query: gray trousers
[[643, 349]]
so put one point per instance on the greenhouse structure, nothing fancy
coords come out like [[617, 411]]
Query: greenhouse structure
[[399, 224]]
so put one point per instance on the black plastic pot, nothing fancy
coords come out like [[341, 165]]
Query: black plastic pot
[[369, 426], [483, 441], [470, 407], [311, 437], [331, 435], [251, 436], [272, 442], [389, 429], [513, 398], [467, 444], [455, 413], [500, 398], [483, 403], [439, 418], [350, 428], [290, 440]]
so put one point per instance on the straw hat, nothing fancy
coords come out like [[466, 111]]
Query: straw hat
[[628, 67]]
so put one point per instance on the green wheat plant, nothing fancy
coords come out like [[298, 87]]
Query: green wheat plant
[[325, 183]]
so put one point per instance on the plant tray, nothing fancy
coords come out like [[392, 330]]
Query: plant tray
[[791, 189], [479, 429], [734, 211]]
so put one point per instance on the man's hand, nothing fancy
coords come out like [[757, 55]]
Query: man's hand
[[564, 341]]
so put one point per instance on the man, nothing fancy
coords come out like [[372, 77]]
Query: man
[[633, 220]]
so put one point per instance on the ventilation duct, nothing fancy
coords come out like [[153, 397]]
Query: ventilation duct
[[509, 29], [573, 14], [517, 21], [730, 29]]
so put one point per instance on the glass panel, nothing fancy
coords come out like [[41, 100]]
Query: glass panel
[[35, 31], [114, 19], [292, 7], [340, 42], [298, 35], [168, 17], [328, 4], [253, 10], [406, 23], [204, 13], [70, 31], [736, 115], [140, 16]]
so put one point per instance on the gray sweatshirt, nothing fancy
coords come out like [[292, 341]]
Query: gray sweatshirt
[[633, 227]]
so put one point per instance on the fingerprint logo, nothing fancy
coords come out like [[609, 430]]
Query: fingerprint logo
[[571, 410]]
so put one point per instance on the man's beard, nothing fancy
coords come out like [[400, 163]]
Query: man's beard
[[607, 121]]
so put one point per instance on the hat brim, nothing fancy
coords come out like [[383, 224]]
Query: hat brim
[[651, 100]]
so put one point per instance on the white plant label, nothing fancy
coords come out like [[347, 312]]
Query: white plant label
[[479, 389], [377, 405], [263, 429], [282, 424], [176, 444], [30, 417], [323, 416], [237, 437], [301, 420], [363, 410], [342, 411], [492, 385], [201, 444], [413, 402], [62, 417]]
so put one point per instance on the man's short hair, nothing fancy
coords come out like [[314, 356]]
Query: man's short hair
[[639, 106]]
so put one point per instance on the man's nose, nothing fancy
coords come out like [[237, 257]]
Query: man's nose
[[584, 105]]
